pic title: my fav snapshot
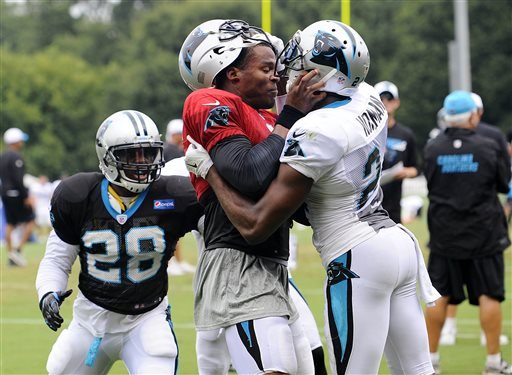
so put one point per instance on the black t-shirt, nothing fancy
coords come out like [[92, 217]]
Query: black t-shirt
[[400, 147], [464, 173], [124, 257], [490, 131], [12, 171]]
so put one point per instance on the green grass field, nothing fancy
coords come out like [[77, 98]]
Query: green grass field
[[25, 341]]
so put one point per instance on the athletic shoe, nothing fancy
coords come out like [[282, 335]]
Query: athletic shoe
[[174, 268], [448, 337], [437, 367], [16, 259], [504, 369], [187, 267], [503, 339]]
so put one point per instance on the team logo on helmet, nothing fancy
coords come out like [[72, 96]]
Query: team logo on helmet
[[218, 116], [328, 51], [192, 42]]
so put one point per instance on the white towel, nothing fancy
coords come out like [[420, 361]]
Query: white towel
[[428, 293]]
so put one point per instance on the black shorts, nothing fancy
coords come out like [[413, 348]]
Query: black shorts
[[481, 276], [16, 212]]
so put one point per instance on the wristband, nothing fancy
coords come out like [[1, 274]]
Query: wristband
[[289, 116]]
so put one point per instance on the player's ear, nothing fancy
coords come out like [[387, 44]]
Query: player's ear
[[233, 74]]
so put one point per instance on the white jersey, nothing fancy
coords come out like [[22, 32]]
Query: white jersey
[[341, 147]]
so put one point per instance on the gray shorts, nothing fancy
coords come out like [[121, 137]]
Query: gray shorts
[[231, 287]]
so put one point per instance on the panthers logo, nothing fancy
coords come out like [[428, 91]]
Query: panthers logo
[[329, 51], [218, 116], [293, 148]]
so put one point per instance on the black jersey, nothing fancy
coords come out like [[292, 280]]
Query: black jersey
[[464, 172], [400, 147], [124, 256]]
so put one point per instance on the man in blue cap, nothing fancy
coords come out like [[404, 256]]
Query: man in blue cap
[[468, 232]]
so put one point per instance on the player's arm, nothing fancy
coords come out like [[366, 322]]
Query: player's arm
[[251, 168], [52, 278], [257, 220]]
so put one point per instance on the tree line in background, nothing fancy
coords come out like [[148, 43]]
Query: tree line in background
[[66, 65]]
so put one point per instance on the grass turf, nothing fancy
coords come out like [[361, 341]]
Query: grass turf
[[25, 341]]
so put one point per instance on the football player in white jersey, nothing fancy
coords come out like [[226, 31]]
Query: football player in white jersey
[[332, 160], [123, 225]]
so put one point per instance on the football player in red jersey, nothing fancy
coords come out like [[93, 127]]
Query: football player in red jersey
[[241, 290]]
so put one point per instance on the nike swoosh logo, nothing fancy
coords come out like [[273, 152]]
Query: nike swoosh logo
[[295, 135], [214, 103]]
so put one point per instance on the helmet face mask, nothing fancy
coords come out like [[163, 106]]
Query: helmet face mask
[[213, 46], [129, 150], [334, 49]]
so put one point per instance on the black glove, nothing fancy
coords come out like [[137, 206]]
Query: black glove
[[50, 306]]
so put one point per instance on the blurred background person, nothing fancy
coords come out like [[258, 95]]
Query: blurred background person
[[18, 205], [41, 190], [468, 233], [400, 157], [173, 147], [449, 332]]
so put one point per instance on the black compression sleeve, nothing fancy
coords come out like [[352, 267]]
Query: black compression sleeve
[[250, 169]]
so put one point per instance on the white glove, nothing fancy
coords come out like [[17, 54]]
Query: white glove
[[197, 159]]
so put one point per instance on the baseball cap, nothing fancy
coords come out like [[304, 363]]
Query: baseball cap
[[458, 106], [386, 86], [478, 100], [174, 127], [14, 135]]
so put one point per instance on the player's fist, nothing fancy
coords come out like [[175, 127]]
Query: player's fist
[[50, 308], [197, 159]]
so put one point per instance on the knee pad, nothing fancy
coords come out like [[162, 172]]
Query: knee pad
[[212, 352], [61, 354], [157, 338]]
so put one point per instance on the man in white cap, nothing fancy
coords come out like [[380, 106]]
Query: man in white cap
[[18, 205], [173, 147], [465, 173], [400, 158]]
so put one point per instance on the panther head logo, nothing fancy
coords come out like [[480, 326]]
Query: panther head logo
[[218, 116], [328, 51]]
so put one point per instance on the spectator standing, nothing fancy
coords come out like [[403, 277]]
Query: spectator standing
[[468, 232], [400, 160], [173, 147], [18, 204], [41, 190], [449, 332]]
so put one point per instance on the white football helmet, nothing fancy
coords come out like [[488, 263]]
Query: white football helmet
[[336, 50], [129, 150], [213, 46]]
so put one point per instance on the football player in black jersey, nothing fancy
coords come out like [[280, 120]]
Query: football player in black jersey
[[123, 224]]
